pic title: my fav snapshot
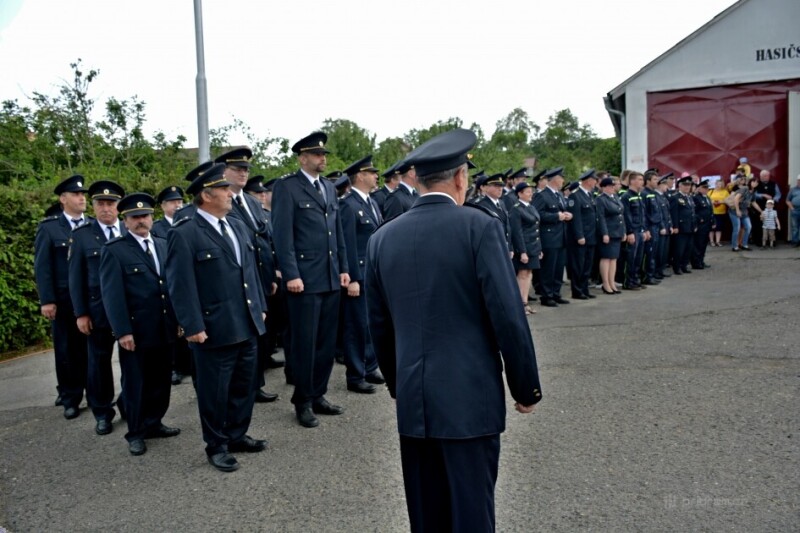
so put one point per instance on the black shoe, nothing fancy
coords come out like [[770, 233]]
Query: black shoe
[[265, 397], [324, 407], [137, 447], [659, 277], [747, 249], [273, 363], [697, 267], [590, 295], [362, 388], [103, 427], [71, 412], [247, 445], [686, 271], [59, 401], [306, 417], [549, 303], [706, 265], [608, 292], [224, 462], [532, 298], [578, 297], [376, 378], [677, 272], [560, 300], [177, 377], [617, 291], [650, 282], [665, 274], [632, 287], [163, 432]]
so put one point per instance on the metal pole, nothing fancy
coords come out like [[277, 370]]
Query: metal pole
[[204, 151]]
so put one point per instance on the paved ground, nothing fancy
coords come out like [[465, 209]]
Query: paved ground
[[672, 409]]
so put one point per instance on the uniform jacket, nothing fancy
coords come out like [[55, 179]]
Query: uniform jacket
[[584, 218], [549, 204], [633, 209], [652, 210], [210, 291], [682, 212], [51, 248], [666, 217], [86, 245], [380, 197], [260, 235], [610, 219], [398, 202], [443, 305], [135, 296], [509, 199], [358, 225], [161, 227], [703, 212], [307, 232], [524, 222], [501, 212]]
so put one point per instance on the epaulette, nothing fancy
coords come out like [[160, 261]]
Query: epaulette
[[115, 239], [181, 221], [49, 219], [484, 209], [82, 226]]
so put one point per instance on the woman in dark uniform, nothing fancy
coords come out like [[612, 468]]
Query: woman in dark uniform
[[524, 222], [611, 225]]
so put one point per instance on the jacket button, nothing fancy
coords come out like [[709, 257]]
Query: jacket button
[[329, 233], [208, 256], [136, 270], [301, 256], [245, 285], [249, 302], [330, 252]]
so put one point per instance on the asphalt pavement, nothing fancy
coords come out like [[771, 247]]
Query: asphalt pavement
[[676, 408]]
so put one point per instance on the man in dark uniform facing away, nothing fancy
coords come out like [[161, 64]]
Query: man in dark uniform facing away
[[219, 302], [445, 318]]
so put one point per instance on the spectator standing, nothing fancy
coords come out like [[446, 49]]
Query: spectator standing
[[770, 223], [717, 197], [793, 203]]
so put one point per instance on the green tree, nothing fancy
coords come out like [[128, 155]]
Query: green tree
[[347, 141]]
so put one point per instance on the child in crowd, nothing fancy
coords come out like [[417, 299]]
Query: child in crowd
[[769, 218]]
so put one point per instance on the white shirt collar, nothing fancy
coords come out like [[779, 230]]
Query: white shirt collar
[[523, 202], [115, 225], [588, 193], [140, 240], [168, 219], [214, 221], [552, 189], [309, 176], [361, 194]]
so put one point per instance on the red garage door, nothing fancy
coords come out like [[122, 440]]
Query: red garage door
[[706, 131]]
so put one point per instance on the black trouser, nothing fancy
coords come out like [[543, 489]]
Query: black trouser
[[182, 361], [662, 257], [100, 377], [699, 248], [449, 483], [579, 261], [146, 386], [681, 250], [359, 356], [225, 391], [71, 354], [633, 259], [552, 272], [622, 261], [314, 320], [652, 249]]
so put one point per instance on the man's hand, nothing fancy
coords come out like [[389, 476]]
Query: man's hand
[[525, 409], [274, 289], [199, 338], [294, 285], [630, 239], [278, 274], [523, 258], [344, 279], [353, 289], [84, 324], [263, 316], [662, 232], [126, 342], [646, 236], [49, 311], [581, 242]]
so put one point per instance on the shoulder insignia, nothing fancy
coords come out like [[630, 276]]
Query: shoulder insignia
[[181, 221], [486, 210], [82, 227], [49, 219], [114, 240], [571, 203]]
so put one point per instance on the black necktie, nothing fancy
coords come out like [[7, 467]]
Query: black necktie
[[76, 222], [227, 234], [111, 233], [149, 252], [374, 210], [240, 201]]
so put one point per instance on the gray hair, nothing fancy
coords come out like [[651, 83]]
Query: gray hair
[[438, 177]]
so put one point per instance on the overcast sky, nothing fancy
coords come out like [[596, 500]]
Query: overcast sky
[[283, 67]]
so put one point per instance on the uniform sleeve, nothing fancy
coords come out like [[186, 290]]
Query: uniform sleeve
[[381, 328], [500, 292], [602, 225], [347, 216], [43, 266], [112, 286], [341, 250], [540, 203], [393, 206], [76, 264], [517, 240], [283, 230], [626, 212], [182, 284], [574, 207]]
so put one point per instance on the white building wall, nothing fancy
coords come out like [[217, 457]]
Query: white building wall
[[759, 40]]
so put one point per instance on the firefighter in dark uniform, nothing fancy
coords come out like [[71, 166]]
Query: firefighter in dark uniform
[[390, 181], [633, 210], [311, 253], [654, 224], [86, 244], [360, 218], [404, 194], [665, 238], [51, 247], [171, 201], [493, 198], [510, 197], [446, 321], [215, 285], [582, 235], [250, 212], [682, 212], [552, 208], [705, 224], [132, 272], [188, 210]]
